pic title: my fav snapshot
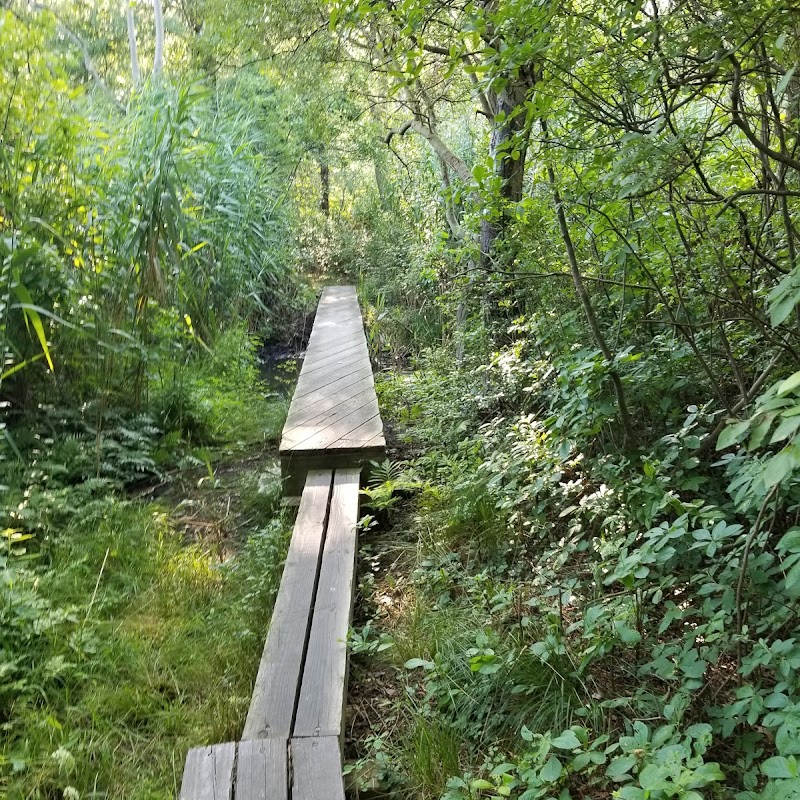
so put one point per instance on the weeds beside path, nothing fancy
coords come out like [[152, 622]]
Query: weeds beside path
[[132, 611]]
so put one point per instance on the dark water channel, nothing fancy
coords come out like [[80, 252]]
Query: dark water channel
[[280, 360], [279, 366]]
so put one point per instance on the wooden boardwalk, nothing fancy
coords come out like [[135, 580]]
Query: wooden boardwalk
[[291, 744], [333, 420]]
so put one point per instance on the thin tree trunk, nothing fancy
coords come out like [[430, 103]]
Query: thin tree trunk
[[158, 60], [136, 75], [442, 150], [588, 308], [325, 188], [447, 203]]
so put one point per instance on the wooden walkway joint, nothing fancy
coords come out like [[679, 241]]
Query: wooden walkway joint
[[333, 419], [291, 743]]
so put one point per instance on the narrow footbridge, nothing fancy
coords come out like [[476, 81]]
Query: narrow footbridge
[[290, 748]]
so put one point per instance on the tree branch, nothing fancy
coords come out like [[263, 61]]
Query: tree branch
[[81, 45]]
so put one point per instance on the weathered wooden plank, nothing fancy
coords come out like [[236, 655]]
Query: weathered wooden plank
[[365, 432], [334, 423], [275, 693], [342, 384], [342, 365], [326, 413], [333, 331], [341, 428], [336, 354], [208, 773], [335, 340], [328, 405], [336, 324], [262, 770], [337, 367], [335, 321], [317, 769], [377, 440], [322, 693]]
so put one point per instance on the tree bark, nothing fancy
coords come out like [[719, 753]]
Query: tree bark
[[442, 150], [325, 188], [447, 204], [158, 16], [508, 124], [136, 75]]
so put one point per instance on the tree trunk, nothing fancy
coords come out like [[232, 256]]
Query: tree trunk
[[136, 76], [509, 125], [442, 150], [325, 188], [158, 60], [448, 208]]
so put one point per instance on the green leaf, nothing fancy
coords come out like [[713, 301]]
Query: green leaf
[[629, 635], [502, 769], [732, 434], [787, 740], [631, 793], [651, 777], [551, 771], [789, 385], [792, 581], [783, 298], [22, 364], [32, 316], [706, 773], [619, 769], [759, 431], [567, 741], [790, 541], [784, 81], [415, 663], [526, 733], [787, 427], [780, 767], [779, 467]]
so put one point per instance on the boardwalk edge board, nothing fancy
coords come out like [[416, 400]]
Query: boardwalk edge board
[[272, 707], [290, 747]]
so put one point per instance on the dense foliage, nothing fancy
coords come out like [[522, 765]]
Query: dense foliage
[[145, 255], [574, 228], [603, 391]]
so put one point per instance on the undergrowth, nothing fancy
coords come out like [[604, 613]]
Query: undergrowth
[[571, 620], [141, 554]]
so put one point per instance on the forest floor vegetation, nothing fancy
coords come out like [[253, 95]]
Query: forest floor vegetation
[[136, 588]]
